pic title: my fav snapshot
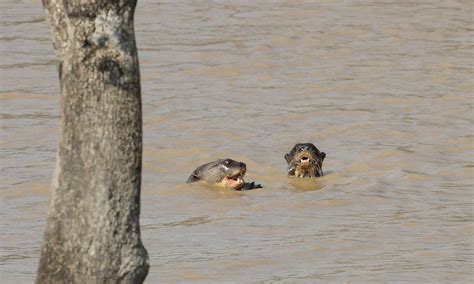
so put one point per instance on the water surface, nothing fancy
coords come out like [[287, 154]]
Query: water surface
[[384, 88]]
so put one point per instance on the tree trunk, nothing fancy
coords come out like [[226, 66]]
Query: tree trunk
[[93, 231]]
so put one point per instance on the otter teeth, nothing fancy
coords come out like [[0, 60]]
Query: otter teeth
[[238, 178]]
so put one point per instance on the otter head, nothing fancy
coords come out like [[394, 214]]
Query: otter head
[[224, 172], [232, 173], [305, 160]]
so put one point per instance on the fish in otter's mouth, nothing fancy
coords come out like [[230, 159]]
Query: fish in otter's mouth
[[305, 160], [224, 172]]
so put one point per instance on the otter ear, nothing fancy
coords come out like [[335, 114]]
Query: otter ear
[[323, 155], [287, 156]]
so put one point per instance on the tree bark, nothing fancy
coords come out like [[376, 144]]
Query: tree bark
[[93, 232]]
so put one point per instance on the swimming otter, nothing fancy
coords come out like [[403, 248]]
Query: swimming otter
[[305, 160], [224, 172]]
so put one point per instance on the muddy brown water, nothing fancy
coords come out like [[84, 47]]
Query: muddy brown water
[[385, 88]]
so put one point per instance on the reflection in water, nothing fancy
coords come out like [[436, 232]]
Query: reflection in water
[[215, 190], [307, 184], [384, 88]]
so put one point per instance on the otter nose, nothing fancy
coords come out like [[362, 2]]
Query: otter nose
[[242, 165]]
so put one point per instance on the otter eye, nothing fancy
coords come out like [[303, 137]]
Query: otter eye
[[227, 162]]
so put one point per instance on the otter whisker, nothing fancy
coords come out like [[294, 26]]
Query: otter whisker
[[319, 169]]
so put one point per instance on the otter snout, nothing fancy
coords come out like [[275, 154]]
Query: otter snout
[[306, 159]]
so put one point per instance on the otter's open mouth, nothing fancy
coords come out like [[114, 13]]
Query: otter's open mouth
[[305, 160], [307, 166], [234, 181]]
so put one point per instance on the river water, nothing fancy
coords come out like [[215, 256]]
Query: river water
[[385, 88]]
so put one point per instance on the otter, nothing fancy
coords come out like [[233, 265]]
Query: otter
[[224, 172], [305, 160]]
